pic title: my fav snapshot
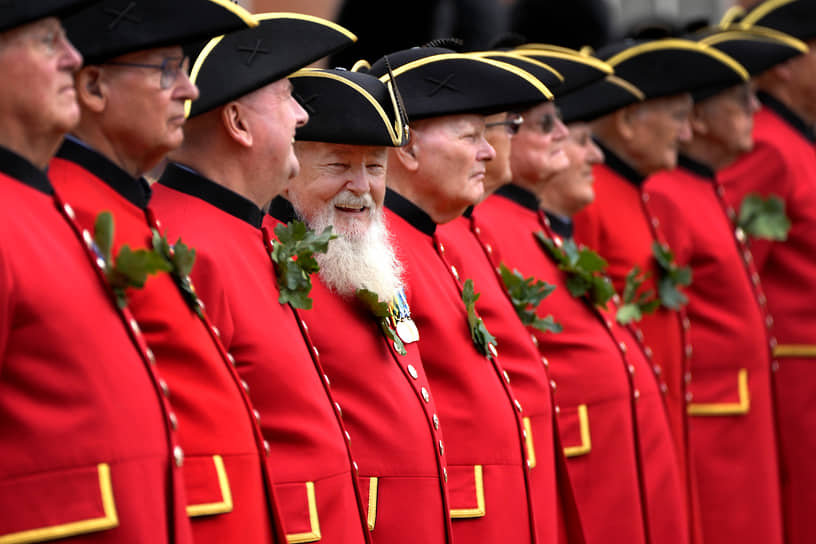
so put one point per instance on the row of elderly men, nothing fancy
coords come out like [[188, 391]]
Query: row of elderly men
[[242, 398]]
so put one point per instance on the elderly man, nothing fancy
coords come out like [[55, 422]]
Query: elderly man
[[237, 156], [131, 95], [726, 308], [520, 356], [432, 180], [783, 164], [361, 323], [86, 441], [609, 406]]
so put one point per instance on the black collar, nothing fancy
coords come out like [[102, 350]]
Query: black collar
[[520, 196], [282, 210], [695, 167], [409, 211], [561, 225], [187, 181], [15, 166], [468, 212], [137, 191], [797, 123], [620, 166]]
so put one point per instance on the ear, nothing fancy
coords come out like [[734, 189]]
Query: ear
[[407, 154], [623, 121], [236, 123], [784, 71], [697, 120], [92, 88]]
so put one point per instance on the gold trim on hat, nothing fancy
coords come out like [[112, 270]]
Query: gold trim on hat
[[677, 43], [756, 33], [566, 54], [514, 55], [361, 64], [731, 13], [762, 10], [197, 65], [242, 13], [396, 132], [622, 83], [311, 18]]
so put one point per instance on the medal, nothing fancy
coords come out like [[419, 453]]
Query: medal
[[406, 328]]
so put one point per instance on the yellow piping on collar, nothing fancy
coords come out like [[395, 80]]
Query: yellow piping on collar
[[580, 58], [497, 55], [319, 20], [199, 62], [676, 43], [459, 56], [395, 135], [762, 10], [615, 80], [243, 14]]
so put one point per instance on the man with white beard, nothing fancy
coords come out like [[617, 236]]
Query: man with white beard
[[360, 323]]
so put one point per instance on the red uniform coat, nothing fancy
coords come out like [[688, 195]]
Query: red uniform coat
[[611, 411], [488, 474], [224, 468], [85, 438], [783, 163], [310, 461], [390, 414], [620, 227], [527, 369], [730, 412]]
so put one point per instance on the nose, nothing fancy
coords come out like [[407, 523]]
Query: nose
[[185, 89], [560, 130], [71, 59], [753, 102], [684, 130], [486, 152], [301, 117], [594, 153]]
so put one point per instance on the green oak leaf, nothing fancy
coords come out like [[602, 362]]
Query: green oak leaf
[[764, 218], [294, 254], [636, 303], [181, 259], [382, 312], [585, 270], [481, 337], [526, 294], [672, 277], [104, 231]]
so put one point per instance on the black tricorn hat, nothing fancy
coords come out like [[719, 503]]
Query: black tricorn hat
[[757, 49], [579, 68], [110, 28], [241, 62], [546, 74], [435, 82], [794, 17], [349, 108], [14, 14], [672, 66], [597, 99]]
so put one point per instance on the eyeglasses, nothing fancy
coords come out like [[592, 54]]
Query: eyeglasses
[[511, 124], [170, 69], [546, 123]]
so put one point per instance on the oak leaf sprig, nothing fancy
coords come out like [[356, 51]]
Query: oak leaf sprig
[[294, 254], [482, 339], [129, 268], [181, 258], [636, 303], [671, 278], [585, 270], [382, 311], [526, 294], [764, 218]]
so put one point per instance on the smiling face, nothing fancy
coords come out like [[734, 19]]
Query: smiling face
[[37, 98]]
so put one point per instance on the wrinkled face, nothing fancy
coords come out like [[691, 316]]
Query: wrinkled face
[[537, 151], [38, 64], [500, 128], [658, 126], [727, 120], [452, 154], [140, 116], [273, 115], [570, 190], [345, 181]]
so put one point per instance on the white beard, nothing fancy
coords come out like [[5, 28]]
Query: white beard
[[358, 258]]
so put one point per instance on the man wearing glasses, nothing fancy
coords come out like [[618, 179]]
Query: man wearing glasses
[[85, 441], [132, 95]]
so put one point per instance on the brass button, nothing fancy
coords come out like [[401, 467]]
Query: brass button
[[178, 456], [413, 371], [425, 395], [435, 419]]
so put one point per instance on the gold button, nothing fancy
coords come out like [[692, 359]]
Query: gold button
[[317, 353], [100, 263], [435, 419], [769, 321], [493, 351], [173, 420], [506, 376], [164, 388], [488, 248], [552, 385], [413, 372], [87, 237], [445, 473], [135, 326], [257, 415], [339, 410], [534, 339], [441, 448], [425, 395], [441, 247], [356, 468], [546, 362], [348, 436], [216, 331], [69, 211], [178, 456], [245, 385], [454, 272], [327, 380], [231, 359], [739, 234], [637, 394], [151, 357], [267, 448], [689, 396], [518, 405]]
